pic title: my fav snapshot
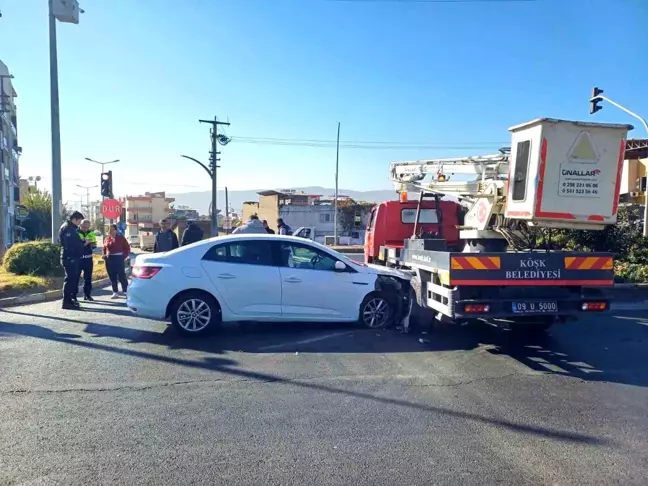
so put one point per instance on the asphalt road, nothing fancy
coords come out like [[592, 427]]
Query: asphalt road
[[99, 397]]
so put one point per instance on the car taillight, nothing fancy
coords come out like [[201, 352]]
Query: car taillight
[[594, 306], [477, 308], [145, 272]]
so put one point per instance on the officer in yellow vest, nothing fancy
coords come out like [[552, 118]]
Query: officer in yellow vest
[[88, 235]]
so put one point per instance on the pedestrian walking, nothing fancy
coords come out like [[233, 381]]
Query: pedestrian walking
[[191, 234], [72, 250], [269, 230], [86, 263], [165, 240], [116, 250], [252, 225], [283, 228]]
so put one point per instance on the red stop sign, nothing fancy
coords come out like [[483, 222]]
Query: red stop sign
[[111, 209]]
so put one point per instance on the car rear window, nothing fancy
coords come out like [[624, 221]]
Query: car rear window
[[428, 216]]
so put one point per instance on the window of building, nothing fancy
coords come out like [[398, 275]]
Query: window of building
[[427, 216], [325, 217]]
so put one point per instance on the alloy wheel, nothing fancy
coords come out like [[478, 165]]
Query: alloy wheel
[[375, 313], [194, 315]]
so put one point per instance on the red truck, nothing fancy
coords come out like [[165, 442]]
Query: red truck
[[392, 222]]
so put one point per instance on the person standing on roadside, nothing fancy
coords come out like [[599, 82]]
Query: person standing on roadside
[[115, 251], [72, 248], [252, 225], [283, 228], [269, 230], [87, 235], [192, 234], [165, 240]]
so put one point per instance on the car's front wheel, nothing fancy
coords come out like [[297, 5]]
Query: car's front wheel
[[376, 311], [195, 313]]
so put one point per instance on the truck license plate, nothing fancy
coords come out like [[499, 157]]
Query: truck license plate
[[535, 307]]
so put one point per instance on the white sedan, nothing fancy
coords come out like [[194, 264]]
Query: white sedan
[[257, 277]]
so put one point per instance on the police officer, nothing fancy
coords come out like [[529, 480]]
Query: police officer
[[85, 267], [72, 251]]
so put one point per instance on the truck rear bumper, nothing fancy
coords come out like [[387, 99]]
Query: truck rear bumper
[[523, 308]]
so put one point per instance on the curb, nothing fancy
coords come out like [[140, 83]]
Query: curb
[[49, 295], [44, 296], [347, 249]]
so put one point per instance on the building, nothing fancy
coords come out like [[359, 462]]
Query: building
[[9, 155], [183, 212], [311, 211], [145, 212], [634, 169], [94, 214]]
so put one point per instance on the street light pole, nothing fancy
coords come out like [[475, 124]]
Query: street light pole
[[596, 97], [67, 12], [87, 188], [57, 189], [337, 164]]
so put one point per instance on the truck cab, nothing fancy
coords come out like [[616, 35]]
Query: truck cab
[[392, 222]]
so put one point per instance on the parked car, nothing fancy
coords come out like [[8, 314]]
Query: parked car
[[134, 241], [258, 277]]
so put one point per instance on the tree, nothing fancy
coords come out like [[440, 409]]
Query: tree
[[38, 224], [349, 210]]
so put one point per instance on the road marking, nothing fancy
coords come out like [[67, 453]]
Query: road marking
[[307, 341]]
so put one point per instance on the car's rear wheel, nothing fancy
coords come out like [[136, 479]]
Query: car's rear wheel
[[376, 311], [195, 313]]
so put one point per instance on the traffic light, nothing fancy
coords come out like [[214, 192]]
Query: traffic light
[[641, 184], [106, 184], [595, 100]]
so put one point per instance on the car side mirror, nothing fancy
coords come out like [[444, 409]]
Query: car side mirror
[[340, 266]]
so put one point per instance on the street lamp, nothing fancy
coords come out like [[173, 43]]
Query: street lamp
[[102, 163], [87, 188], [212, 177]]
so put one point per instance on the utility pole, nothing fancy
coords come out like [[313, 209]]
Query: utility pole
[[215, 140], [595, 99], [337, 164], [229, 223]]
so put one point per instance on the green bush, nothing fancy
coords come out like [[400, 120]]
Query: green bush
[[625, 240], [40, 258]]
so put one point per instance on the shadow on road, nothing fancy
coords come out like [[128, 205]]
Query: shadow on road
[[227, 366], [600, 348], [611, 348]]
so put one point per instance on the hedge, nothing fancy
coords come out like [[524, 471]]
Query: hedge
[[39, 258], [625, 240]]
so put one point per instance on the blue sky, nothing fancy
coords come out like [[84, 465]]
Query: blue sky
[[135, 77]]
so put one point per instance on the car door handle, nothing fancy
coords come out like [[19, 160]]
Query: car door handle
[[225, 275], [292, 280]]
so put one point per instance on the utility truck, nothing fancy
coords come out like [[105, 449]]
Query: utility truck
[[471, 239]]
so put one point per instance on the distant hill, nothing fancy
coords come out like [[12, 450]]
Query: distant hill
[[201, 200]]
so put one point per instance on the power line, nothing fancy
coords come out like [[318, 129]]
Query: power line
[[366, 145], [434, 1]]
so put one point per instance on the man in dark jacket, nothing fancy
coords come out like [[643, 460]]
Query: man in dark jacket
[[72, 251], [165, 240], [283, 228], [192, 234]]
